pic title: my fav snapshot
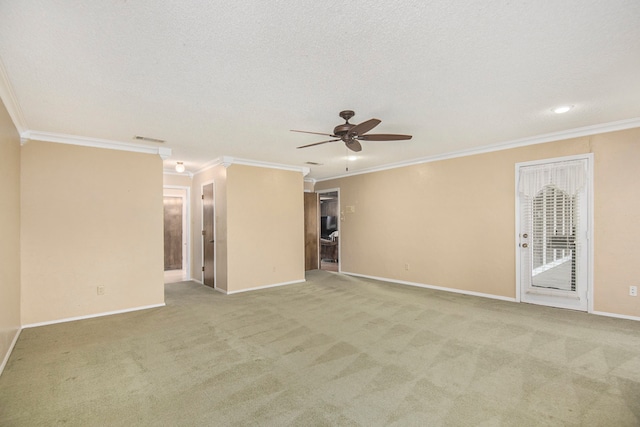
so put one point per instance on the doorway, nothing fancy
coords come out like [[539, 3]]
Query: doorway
[[329, 221], [176, 233], [553, 245]]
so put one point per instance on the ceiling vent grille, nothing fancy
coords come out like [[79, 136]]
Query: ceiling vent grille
[[146, 138]]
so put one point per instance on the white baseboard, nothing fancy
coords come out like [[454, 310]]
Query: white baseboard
[[263, 287], [91, 316], [6, 356], [478, 294], [617, 316], [437, 288]]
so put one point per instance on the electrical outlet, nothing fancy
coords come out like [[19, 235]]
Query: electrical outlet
[[406, 266], [100, 290], [633, 291]]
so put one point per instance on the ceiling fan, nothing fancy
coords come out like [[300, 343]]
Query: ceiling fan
[[352, 134]]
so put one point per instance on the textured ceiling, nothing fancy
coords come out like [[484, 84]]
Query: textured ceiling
[[232, 78]]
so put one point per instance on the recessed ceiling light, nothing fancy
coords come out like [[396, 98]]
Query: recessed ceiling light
[[562, 109]]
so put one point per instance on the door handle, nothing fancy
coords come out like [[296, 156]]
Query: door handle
[[210, 241]]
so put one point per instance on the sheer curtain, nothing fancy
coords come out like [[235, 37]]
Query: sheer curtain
[[569, 176]]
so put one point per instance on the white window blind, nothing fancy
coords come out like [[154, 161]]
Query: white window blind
[[550, 220]]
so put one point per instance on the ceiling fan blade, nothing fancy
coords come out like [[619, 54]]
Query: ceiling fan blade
[[353, 145], [317, 143], [364, 127], [383, 137], [314, 133]]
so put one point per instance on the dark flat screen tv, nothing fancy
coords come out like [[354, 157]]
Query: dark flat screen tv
[[328, 224]]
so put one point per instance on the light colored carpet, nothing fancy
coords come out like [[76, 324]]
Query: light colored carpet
[[335, 350]]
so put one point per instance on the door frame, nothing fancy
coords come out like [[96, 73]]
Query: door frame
[[215, 271], [340, 221], [589, 216], [316, 233], [186, 221]]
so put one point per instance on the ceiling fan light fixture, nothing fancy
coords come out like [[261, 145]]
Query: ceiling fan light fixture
[[562, 109], [179, 167], [352, 158]]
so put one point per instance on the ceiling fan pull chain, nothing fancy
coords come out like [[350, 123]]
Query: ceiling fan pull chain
[[346, 156]]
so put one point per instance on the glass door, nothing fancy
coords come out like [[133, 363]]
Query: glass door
[[552, 235]]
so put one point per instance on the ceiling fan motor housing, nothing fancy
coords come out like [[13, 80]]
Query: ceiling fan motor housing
[[342, 130]]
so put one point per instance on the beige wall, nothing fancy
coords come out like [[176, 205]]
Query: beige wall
[[177, 180], [259, 226], [453, 221], [9, 233], [309, 186], [617, 221], [90, 217], [265, 220], [217, 175]]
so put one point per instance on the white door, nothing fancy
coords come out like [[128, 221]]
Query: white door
[[553, 247]]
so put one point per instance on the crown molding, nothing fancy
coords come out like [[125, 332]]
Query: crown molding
[[208, 165], [174, 172], [236, 161], [227, 161], [540, 139], [11, 101], [163, 152]]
